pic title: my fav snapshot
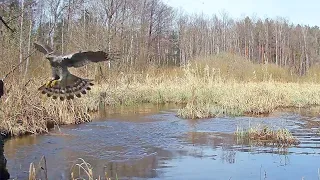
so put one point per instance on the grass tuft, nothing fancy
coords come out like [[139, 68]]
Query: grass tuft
[[264, 135]]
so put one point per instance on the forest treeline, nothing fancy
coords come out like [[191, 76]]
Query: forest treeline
[[152, 32]]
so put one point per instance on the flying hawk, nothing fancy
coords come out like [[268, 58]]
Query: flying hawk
[[63, 84]]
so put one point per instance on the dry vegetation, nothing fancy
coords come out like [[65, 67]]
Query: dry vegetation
[[158, 44], [264, 135], [221, 85], [24, 110], [217, 86], [79, 170]]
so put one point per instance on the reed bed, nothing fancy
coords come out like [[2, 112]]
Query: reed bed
[[222, 85], [25, 111], [210, 90]]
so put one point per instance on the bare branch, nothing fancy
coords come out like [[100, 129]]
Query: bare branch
[[7, 26]]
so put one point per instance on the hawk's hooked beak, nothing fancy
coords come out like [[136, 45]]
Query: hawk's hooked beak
[[49, 56]]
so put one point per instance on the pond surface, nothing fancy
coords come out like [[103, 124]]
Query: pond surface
[[153, 143]]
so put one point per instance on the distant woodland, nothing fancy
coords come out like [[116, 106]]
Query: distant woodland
[[151, 32]]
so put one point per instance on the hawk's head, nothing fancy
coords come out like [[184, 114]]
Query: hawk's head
[[50, 56]]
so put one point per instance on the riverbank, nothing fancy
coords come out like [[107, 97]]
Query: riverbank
[[219, 86]]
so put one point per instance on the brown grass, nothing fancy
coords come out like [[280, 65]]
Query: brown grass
[[217, 86], [24, 110], [79, 170], [264, 135], [210, 88]]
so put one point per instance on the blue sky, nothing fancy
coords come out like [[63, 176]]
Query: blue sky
[[306, 12]]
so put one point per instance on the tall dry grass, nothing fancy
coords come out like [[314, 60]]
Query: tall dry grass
[[25, 111], [215, 86], [220, 85]]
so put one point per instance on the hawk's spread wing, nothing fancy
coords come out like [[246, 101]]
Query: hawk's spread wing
[[82, 58], [45, 49]]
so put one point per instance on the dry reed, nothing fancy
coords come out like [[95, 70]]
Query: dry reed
[[265, 135], [24, 110], [216, 86], [210, 89], [79, 170]]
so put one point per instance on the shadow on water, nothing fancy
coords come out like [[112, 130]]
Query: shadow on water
[[151, 142]]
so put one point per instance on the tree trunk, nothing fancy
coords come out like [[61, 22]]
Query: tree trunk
[[29, 47], [21, 34]]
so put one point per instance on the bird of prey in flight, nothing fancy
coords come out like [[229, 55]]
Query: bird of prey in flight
[[63, 84]]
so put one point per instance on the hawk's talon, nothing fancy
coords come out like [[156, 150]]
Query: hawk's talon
[[48, 84], [62, 83], [54, 82]]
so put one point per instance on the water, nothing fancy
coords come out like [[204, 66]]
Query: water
[[153, 143]]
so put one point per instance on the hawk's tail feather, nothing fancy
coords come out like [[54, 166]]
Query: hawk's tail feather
[[77, 88]]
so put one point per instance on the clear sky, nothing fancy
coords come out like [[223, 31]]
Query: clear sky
[[306, 12]]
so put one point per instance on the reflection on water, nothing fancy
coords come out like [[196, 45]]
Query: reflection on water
[[151, 143]]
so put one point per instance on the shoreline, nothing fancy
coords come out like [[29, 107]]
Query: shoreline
[[37, 114]]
